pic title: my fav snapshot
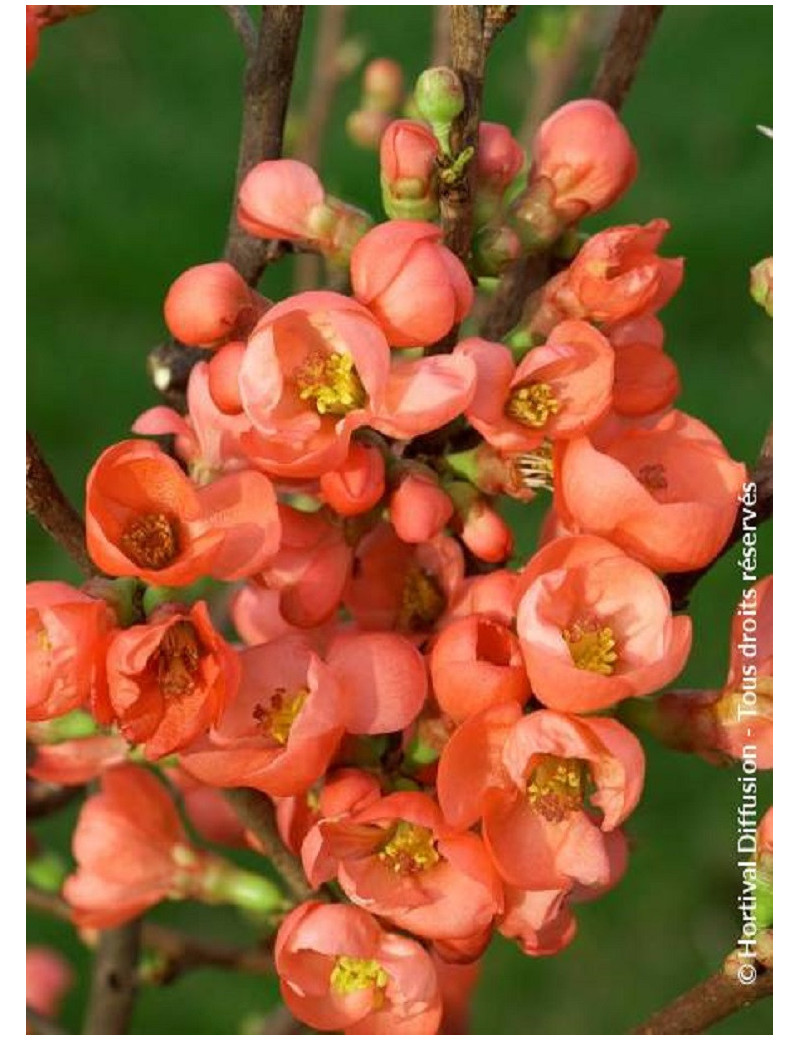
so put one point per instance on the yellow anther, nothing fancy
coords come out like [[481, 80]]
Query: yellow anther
[[151, 541], [423, 601], [331, 382], [532, 405], [592, 648], [353, 973], [277, 719], [178, 659], [410, 850], [557, 786]]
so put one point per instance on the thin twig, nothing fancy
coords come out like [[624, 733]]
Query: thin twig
[[114, 980], [625, 50], [326, 72], [681, 584], [440, 41], [48, 503], [257, 813], [495, 19], [40, 1024], [703, 1005], [243, 27], [42, 799], [181, 952]]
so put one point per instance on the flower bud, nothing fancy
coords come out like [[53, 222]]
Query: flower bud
[[439, 96], [483, 531], [499, 161], [209, 304], [278, 198], [495, 248], [408, 171], [358, 484], [419, 509], [366, 127], [761, 284], [223, 377], [534, 217], [382, 89]]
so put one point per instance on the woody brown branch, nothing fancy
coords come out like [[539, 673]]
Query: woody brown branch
[[114, 980], [711, 1001], [47, 502]]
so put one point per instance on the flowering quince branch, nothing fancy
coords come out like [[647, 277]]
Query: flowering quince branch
[[114, 980], [707, 1003], [42, 799], [624, 53], [243, 27]]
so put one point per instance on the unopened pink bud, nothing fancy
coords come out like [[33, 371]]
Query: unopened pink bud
[[419, 509], [277, 199], [383, 85], [585, 152], [210, 304], [366, 127], [358, 484], [500, 158], [408, 171], [484, 532], [223, 377]]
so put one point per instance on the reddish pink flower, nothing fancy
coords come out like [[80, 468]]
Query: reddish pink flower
[[400, 859], [419, 509], [559, 390], [256, 614], [77, 761], [171, 679], [208, 811], [48, 976], [344, 791], [584, 151], [493, 595], [484, 532], [281, 198], [211, 304], [145, 518], [280, 733], [547, 787], [318, 367], [415, 287], [500, 158], [66, 637], [382, 84], [395, 585], [408, 170], [667, 494], [223, 377], [340, 972], [356, 485], [596, 626], [477, 662], [456, 982], [366, 127], [646, 379], [31, 37]]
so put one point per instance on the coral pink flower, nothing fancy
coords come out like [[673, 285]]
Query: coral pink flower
[[223, 377], [484, 532], [66, 637], [47, 978], [211, 815], [207, 439], [493, 595], [311, 567], [358, 483], [72, 762], [547, 786], [280, 733], [617, 275], [477, 662], [171, 679], [456, 982], [585, 153], [399, 586], [344, 791], [318, 367], [408, 170], [145, 518], [382, 84], [646, 379], [31, 37], [256, 614], [667, 494], [419, 509], [559, 389], [499, 159], [211, 304], [400, 859], [416, 288], [133, 814], [281, 198], [341, 972], [596, 626]]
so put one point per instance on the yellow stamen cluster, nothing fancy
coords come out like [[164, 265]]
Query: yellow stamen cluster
[[423, 601], [410, 850], [151, 541], [557, 786], [177, 659], [592, 648], [331, 382], [532, 405], [277, 720], [353, 973]]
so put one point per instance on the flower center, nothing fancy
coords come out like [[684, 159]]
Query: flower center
[[532, 405], [535, 468], [592, 648], [653, 476], [178, 658], [277, 719], [410, 850], [557, 786], [423, 601], [151, 541], [353, 973], [331, 382]]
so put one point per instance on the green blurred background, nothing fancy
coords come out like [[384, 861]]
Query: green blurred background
[[133, 121]]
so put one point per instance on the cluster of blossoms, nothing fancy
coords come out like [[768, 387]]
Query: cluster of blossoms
[[436, 725]]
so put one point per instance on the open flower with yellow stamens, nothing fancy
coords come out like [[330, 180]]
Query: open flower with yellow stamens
[[341, 972], [595, 626], [548, 787], [559, 390]]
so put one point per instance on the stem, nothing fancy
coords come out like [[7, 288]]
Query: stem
[[703, 1005], [440, 41], [521, 279], [114, 980], [681, 584], [257, 813], [625, 50], [48, 503], [243, 27]]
